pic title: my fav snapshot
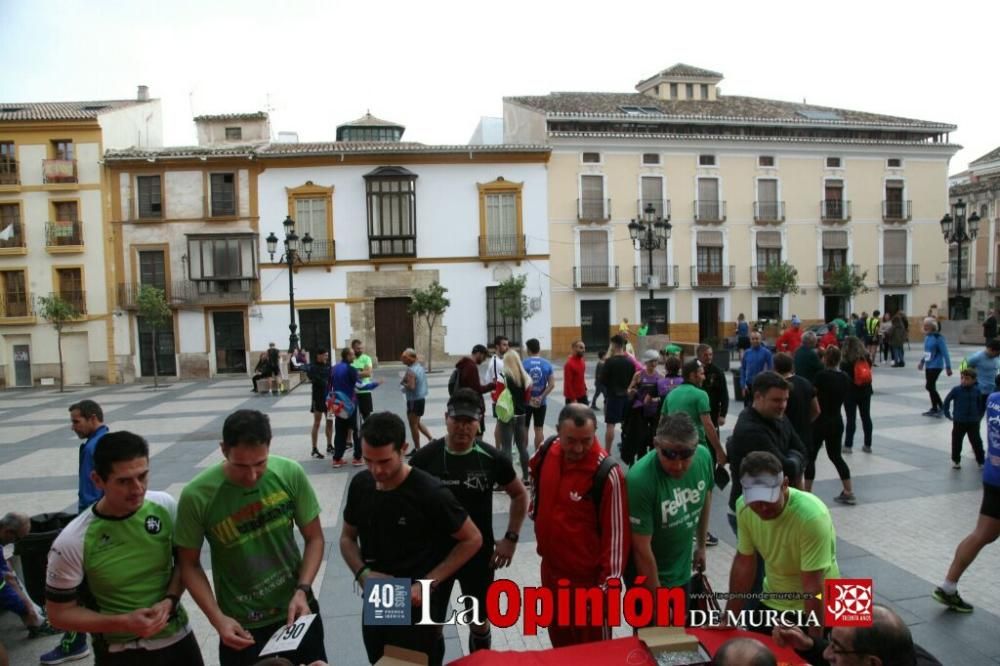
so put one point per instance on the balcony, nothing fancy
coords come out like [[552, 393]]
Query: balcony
[[993, 281], [766, 212], [496, 246], [824, 274], [65, 235], [896, 211], [9, 174], [715, 277], [970, 281], [18, 306], [194, 293], [389, 247], [898, 275], [591, 209], [595, 277], [835, 210], [758, 276], [16, 240], [709, 211], [665, 277], [661, 206], [76, 298], [59, 171], [323, 252]]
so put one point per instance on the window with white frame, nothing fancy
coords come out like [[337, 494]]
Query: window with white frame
[[650, 158], [706, 160], [231, 257], [765, 160], [833, 162], [594, 269], [591, 158]]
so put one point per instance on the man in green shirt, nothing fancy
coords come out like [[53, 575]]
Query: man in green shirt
[[123, 546], [793, 533], [669, 501], [246, 507], [690, 399]]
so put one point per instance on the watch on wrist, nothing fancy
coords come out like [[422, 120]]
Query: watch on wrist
[[511, 536], [305, 588]]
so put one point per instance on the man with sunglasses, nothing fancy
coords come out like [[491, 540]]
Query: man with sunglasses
[[670, 499], [470, 468]]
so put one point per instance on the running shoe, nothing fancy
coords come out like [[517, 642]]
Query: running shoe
[[317, 454], [931, 412], [337, 464], [956, 465], [358, 462], [848, 450], [329, 449], [72, 647], [711, 539], [953, 601], [866, 449], [844, 498]]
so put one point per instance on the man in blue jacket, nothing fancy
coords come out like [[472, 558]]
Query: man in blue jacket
[[757, 359]]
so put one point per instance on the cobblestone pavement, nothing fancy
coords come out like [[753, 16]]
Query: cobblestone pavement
[[912, 507]]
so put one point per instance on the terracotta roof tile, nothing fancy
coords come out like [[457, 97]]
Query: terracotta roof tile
[[256, 115], [10, 111], [991, 156]]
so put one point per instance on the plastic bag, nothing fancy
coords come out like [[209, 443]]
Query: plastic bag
[[505, 406]]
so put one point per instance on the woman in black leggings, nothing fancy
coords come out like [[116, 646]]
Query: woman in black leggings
[[832, 384]]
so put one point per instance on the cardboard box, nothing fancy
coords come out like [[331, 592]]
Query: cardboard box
[[668, 639], [397, 656]]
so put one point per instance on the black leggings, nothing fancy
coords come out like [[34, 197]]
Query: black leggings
[[932, 375], [828, 433], [958, 432]]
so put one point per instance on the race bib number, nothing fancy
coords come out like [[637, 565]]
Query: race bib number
[[287, 639], [387, 602]]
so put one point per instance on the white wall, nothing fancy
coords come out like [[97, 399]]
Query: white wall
[[140, 126]]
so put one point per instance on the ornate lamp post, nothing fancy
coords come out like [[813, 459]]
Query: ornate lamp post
[[290, 257], [650, 233], [959, 230]]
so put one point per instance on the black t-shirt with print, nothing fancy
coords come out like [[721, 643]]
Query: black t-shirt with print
[[405, 531], [470, 477]]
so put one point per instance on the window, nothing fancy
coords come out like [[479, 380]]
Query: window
[[234, 133], [768, 249], [709, 208], [709, 262], [10, 226], [650, 158], [706, 160], [834, 252], [689, 90], [498, 323], [895, 206], [65, 229], [223, 188], [594, 269], [765, 160], [8, 163], [673, 91], [591, 158], [15, 296], [153, 269], [704, 91], [501, 237], [769, 307], [149, 199], [70, 285], [768, 206], [592, 202], [222, 257], [310, 217], [833, 163], [894, 270], [833, 205], [894, 163], [392, 216], [651, 193], [62, 149]]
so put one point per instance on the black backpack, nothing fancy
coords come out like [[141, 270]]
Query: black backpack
[[453, 382], [596, 490]]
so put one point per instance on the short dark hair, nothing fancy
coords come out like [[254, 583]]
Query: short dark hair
[[355, 341], [700, 349], [832, 356], [618, 341], [88, 408], [783, 363], [761, 462], [678, 428], [344, 352], [500, 338], [321, 350], [887, 638], [384, 428], [115, 447], [247, 427], [533, 346], [601, 354], [577, 413], [479, 349], [992, 345], [691, 367], [767, 380], [744, 652], [673, 366]]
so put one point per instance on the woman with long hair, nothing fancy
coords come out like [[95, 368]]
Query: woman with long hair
[[832, 385], [518, 382], [859, 396]]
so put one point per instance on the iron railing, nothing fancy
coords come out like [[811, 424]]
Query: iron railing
[[835, 210], [661, 206], [709, 211], [595, 277], [824, 274], [713, 277], [769, 211], [502, 245], [896, 210], [16, 235], [76, 298], [667, 277], [322, 252], [59, 171], [16, 305], [62, 233], [8, 171], [593, 209], [898, 275]]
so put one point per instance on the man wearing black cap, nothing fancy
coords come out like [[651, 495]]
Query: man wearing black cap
[[470, 468]]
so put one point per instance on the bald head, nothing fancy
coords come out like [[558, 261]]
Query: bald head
[[888, 638], [744, 652], [577, 413]]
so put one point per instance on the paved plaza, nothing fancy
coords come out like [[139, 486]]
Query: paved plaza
[[912, 509]]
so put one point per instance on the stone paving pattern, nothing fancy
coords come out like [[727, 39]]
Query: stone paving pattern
[[913, 508]]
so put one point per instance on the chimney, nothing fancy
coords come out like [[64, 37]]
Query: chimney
[[143, 94]]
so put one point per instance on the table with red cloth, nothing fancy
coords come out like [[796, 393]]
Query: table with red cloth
[[625, 651]]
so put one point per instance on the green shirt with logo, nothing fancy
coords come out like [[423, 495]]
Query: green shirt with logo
[[127, 563], [251, 532], [362, 363], [691, 400], [668, 509]]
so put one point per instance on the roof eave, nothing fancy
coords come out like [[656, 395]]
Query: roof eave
[[746, 120]]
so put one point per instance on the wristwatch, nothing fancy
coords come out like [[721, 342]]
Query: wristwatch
[[305, 588], [511, 536]]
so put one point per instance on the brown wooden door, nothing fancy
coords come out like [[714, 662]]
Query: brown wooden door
[[393, 328]]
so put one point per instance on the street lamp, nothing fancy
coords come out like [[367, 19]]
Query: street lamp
[[290, 257], [650, 233], [959, 230]]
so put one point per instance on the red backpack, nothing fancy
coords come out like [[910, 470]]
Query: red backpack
[[862, 373]]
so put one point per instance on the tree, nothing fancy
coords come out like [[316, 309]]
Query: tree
[[429, 304], [58, 312], [780, 279], [511, 301], [846, 281], [153, 309]]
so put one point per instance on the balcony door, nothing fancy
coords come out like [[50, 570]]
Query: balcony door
[[393, 328], [230, 342], [314, 326], [708, 318], [594, 268], [894, 256], [595, 324]]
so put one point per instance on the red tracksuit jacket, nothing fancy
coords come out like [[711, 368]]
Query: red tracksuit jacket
[[566, 526]]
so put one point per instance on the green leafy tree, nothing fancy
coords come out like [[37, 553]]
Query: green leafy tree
[[153, 309], [429, 304], [58, 312], [845, 281], [780, 279], [511, 301]]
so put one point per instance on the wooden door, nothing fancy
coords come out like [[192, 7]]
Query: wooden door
[[595, 322], [708, 319], [230, 343], [314, 326], [393, 328]]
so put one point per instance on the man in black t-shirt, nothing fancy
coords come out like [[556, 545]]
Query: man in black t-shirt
[[402, 522], [318, 373], [470, 468], [803, 407], [617, 374]]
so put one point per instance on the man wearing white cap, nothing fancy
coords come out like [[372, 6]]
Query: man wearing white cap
[[793, 533]]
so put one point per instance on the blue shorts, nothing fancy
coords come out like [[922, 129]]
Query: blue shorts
[[10, 601]]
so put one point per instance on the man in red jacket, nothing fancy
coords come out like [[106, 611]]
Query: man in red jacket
[[577, 541], [469, 377], [791, 339], [574, 375]]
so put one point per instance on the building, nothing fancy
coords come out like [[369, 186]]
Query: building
[[54, 232], [745, 183], [979, 189]]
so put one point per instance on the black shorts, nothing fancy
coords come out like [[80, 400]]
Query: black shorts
[[475, 578], [416, 406], [536, 413], [318, 402], [991, 501], [615, 409], [743, 343]]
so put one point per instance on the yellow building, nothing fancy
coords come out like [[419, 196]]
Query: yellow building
[[54, 237], [745, 183]]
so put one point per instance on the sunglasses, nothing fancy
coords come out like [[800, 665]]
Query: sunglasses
[[676, 454]]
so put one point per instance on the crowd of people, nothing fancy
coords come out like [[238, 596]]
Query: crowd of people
[[423, 507]]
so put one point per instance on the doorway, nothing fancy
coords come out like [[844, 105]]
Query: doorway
[[230, 343], [315, 328], [166, 361], [657, 315], [393, 328], [895, 303], [22, 366], [76, 359], [834, 307], [595, 322], [708, 319]]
